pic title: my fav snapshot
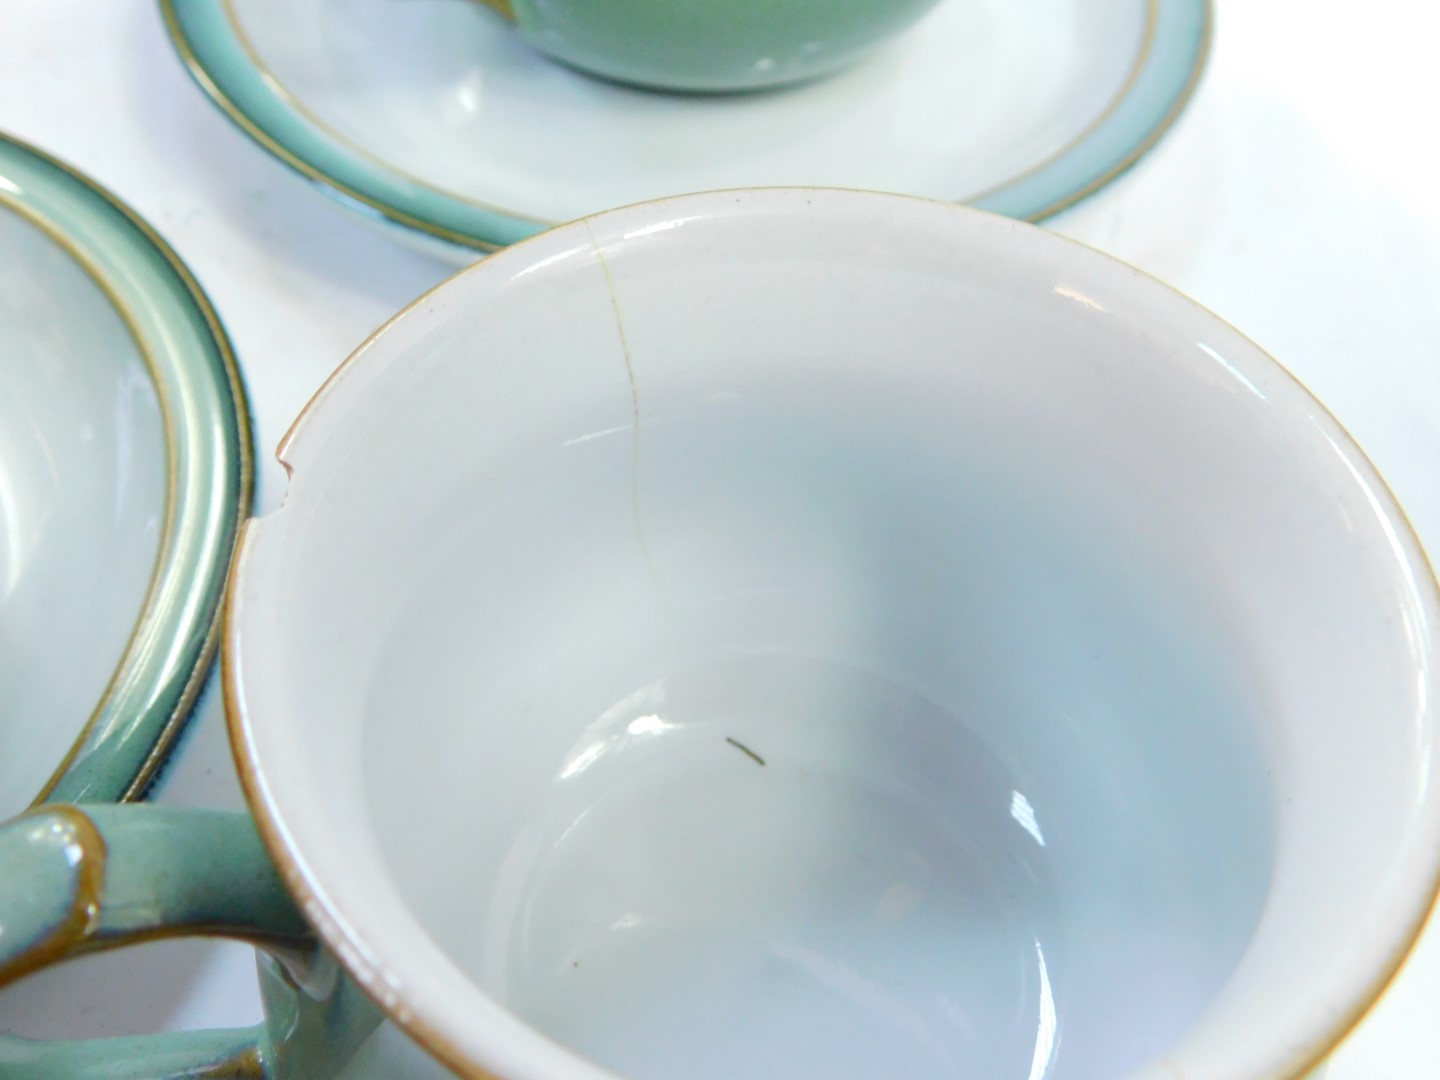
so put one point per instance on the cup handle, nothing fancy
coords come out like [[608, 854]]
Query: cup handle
[[81, 879]]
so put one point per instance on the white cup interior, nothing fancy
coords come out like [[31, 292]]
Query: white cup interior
[[808, 633]]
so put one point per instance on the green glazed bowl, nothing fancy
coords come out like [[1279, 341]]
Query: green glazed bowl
[[709, 45]]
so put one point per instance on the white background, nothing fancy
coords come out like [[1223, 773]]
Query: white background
[[1296, 198]]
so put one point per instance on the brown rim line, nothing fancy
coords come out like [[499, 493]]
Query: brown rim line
[[1304, 1060]]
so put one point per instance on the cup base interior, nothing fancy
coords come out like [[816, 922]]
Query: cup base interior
[[805, 758], [742, 876]]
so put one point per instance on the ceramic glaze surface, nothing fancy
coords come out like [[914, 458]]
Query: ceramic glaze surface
[[440, 117], [82, 500], [858, 631]]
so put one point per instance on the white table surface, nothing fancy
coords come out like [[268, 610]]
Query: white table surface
[[1296, 198]]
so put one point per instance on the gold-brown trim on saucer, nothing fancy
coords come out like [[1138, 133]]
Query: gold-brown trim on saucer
[[293, 100], [304, 168]]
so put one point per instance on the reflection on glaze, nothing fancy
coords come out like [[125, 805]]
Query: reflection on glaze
[[1045, 1033], [1024, 813], [1079, 298], [1231, 370]]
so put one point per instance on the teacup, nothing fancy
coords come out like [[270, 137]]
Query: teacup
[[794, 633], [709, 45]]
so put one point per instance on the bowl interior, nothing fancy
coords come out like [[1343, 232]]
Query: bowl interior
[[786, 633], [83, 493]]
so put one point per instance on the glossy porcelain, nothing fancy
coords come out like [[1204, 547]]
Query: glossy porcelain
[[124, 472], [709, 45], [812, 633], [441, 119]]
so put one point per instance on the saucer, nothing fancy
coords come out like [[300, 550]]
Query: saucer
[[434, 115], [125, 470]]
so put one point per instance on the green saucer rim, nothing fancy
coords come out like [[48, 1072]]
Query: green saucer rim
[[120, 748]]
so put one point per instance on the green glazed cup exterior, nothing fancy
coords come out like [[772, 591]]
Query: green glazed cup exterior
[[709, 45], [82, 879]]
